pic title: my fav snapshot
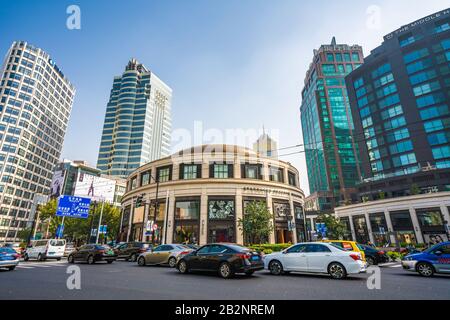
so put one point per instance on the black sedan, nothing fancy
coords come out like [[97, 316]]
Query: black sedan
[[373, 255], [224, 258], [131, 250], [92, 253]]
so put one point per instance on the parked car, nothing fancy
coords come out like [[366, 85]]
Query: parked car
[[226, 259], [9, 258], [131, 250], [45, 249], [69, 248], [433, 260], [92, 253], [315, 257], [165, 254], [192, 246], [347, 245], [373, 255], [15, 246]]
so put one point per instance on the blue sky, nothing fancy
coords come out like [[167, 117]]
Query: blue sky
[[232, 64]]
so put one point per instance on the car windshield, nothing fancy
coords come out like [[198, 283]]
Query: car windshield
[[57, 243]]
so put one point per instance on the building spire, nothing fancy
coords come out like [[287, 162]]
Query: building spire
[[333, 41]]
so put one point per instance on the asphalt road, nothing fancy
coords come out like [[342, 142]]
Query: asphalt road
[[126, 280]]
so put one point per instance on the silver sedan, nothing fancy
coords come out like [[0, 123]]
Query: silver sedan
[[165, 254]]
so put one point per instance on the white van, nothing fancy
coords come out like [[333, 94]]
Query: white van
[[45, 249]]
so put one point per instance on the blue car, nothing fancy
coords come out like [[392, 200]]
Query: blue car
[[433, 260]]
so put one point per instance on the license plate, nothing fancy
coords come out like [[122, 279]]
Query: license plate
[[255, 258]]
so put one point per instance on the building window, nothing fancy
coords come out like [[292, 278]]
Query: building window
[[251, 171], [276, 174], [221, 171], [133, 184], [292, 179], [190, 171], [187, 210], [145, 178], [164, 174]]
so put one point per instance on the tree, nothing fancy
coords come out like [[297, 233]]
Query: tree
[[336, 229], [256, 225], [414, 189]]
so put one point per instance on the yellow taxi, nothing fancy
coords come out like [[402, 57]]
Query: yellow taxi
[[347, 246]]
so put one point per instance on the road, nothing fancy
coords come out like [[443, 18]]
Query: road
[[126, 280]]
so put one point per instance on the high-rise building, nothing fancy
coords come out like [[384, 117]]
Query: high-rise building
[[327, 125], [265, 146], [35, 104], [400, 99], [137, 127]]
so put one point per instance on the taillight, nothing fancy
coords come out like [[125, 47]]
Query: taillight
[[142, 250], [101, 251], [244, 255], [380, 252], [184, 252], [355, 257]]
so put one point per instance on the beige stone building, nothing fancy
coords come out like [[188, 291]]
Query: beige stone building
[[202, 193]]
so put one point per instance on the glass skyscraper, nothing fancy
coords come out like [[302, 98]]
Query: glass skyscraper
[[400, 100], [137, 127], [35, 104], [327, 125]]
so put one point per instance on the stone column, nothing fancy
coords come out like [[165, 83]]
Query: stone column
[[239, 213], [203, 237], [294, 231], [269, 205], [237, 169], [265, 169], [416, 225], [352, 227], [445, 215], [390, 227], [171, 218], [369, 227]]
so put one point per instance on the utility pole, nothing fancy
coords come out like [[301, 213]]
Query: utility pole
[[156, 210], [100, 222]]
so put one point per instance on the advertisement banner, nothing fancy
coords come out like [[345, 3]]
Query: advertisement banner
[[96, 188], [57, 184]]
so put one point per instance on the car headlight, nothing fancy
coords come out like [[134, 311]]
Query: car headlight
[[407, 258]]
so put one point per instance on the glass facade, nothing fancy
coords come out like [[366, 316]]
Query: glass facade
[[137, 122], [400, 100], [327, 124]]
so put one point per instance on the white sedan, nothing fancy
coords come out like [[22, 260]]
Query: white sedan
[[315, 257]]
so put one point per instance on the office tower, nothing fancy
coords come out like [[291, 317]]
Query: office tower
[[400, 99], [35, 104], [265, 146], [327, 126], [137, 127]]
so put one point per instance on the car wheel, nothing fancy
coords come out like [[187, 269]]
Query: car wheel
[[133, 257], [11, 268], [371, 261], [25, 257], [249, 273], [182, 267], [425, 269], [90, 259], [172, 262], [337, 271], [275, 267], [40, 257], [70, 259], [225, 270], [141, 261]]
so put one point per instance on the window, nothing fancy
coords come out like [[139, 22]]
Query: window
[[221, 171], [398, 135], [381, 70], [292, 179], [439, 138], [221, 209], [441, 152], [316, 248], [395, 123], [190, 171], [355, 56], [328, 69], [187, 210], [400, 147], [426, 88], [252, 171], [297, 248], [392, 112], [145, 178], [164, 174], [430, 99], [415, 55], [419, 65], [276, 174], [404, 160], [433, 112]]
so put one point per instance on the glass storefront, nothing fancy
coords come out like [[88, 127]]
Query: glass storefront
[[348, 230], [361, 232], [160, 218], [403, 227], [187, 221], [221, 220], [379, 229], [299, 223], [432, 225]]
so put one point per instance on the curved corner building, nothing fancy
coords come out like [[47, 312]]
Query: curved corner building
[[203, 192]]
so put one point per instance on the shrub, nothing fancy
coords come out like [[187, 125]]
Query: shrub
[[269, 247]]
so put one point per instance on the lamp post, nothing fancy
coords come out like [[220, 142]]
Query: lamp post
[[156, 208]]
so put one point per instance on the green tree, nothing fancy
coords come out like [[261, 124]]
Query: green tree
[[414, 189], [336, 229], [256, 225]]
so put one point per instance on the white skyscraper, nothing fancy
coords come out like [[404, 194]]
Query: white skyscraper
[[138, 124], [35, 104]]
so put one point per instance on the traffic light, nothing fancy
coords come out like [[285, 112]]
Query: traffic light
[[138, 202]]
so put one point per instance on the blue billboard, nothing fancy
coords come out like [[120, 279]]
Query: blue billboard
[[71, 206]]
